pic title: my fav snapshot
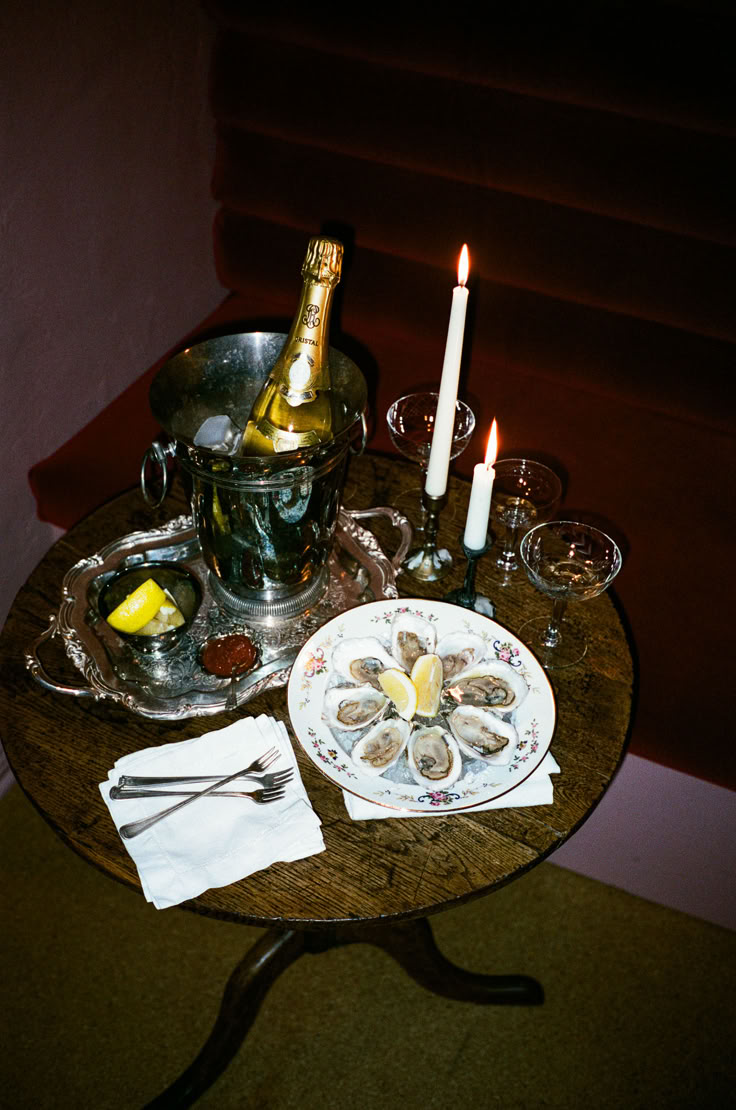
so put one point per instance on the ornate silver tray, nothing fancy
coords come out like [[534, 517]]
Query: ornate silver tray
[[174, 686]]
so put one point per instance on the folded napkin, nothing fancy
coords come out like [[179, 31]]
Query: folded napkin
[[214, 841], [534, 791]]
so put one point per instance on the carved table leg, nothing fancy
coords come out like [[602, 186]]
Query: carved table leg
[[245, 990], [412, 945]]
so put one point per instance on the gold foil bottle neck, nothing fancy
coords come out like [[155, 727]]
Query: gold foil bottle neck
[[323, 261]]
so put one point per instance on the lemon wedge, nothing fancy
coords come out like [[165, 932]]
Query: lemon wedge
[[138, 608], [426, 676], [400, 688]]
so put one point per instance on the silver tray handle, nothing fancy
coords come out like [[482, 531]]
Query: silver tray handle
[[399, 521], [36, 668], [157, 454]]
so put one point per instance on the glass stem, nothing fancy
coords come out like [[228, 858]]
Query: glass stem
[[506, 559], [512, 543], [551, 634]]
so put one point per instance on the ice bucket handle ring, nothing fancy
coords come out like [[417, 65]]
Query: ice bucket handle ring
[[364, 436], [158, 455]]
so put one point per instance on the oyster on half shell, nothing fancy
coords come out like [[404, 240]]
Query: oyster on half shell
[[490, 683], [381, 746], [353, 707], [362, 659], [458, 651], [411, 636], [482, 734], [434, 757]]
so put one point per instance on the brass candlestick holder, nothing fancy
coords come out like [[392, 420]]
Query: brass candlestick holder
[[428, 563], [466, 595]]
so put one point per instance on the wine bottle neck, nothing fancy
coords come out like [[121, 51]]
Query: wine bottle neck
[[303, 360], [311, 325]]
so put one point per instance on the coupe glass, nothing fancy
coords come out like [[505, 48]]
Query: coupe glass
[[411, 426], [567, 561], [525, 493]]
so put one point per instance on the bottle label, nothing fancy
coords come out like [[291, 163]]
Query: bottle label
[[295, 397], [287, 441], [299, 373]]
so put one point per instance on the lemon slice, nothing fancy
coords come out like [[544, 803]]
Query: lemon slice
[[400, 688], [138, 608], [426, 676]]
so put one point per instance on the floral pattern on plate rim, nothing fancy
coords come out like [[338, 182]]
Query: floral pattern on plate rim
[[525, 748], [330, 753]]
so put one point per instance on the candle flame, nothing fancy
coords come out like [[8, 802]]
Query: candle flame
[[492, 448], [463, 265]]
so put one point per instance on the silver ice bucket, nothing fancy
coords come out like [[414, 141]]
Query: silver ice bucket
[[265, 525]]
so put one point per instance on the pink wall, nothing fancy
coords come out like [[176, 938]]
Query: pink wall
[[106, 149], [664, 836]]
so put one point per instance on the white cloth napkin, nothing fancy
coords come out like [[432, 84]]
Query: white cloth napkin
[[537, 790], [214, 841]]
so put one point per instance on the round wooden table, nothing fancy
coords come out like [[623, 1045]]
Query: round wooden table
[[377, 881]]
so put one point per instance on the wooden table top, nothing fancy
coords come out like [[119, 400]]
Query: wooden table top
[[60, 747]]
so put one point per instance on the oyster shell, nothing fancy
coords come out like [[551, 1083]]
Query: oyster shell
[[361, 660], [434, 757], [411, 636], [381, 746], [459, 650], [490, 683], [482, 734], [353, 707]]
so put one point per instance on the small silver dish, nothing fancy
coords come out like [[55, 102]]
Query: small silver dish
[[180, 583]]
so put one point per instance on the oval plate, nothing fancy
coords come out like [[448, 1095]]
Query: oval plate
[[480, 782], [174, 686]]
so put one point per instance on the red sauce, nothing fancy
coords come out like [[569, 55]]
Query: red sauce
[[228, 655]]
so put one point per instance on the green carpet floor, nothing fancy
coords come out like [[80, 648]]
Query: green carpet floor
[[105, 1000]]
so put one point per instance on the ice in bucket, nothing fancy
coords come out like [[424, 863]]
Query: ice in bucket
[[265, 525], [218, 433]]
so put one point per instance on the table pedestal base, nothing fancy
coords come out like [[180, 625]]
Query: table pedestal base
[[409, 942]]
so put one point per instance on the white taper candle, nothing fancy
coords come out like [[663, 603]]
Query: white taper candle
[[479, 508], [444, 422]]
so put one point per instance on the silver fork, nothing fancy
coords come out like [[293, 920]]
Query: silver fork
[[178, 780], [257, 767], [150, 788], [195, 793], [135, 827], [261, 797]]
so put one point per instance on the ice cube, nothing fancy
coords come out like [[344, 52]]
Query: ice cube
[[219, 433]]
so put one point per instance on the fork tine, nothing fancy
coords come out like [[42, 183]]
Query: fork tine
[[265, 760], [269, 796]]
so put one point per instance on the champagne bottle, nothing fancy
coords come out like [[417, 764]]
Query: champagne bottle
[[294, 407]]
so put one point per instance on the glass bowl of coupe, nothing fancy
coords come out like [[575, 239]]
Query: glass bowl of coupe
[[525, 493], [567, 561], [410, 422]]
